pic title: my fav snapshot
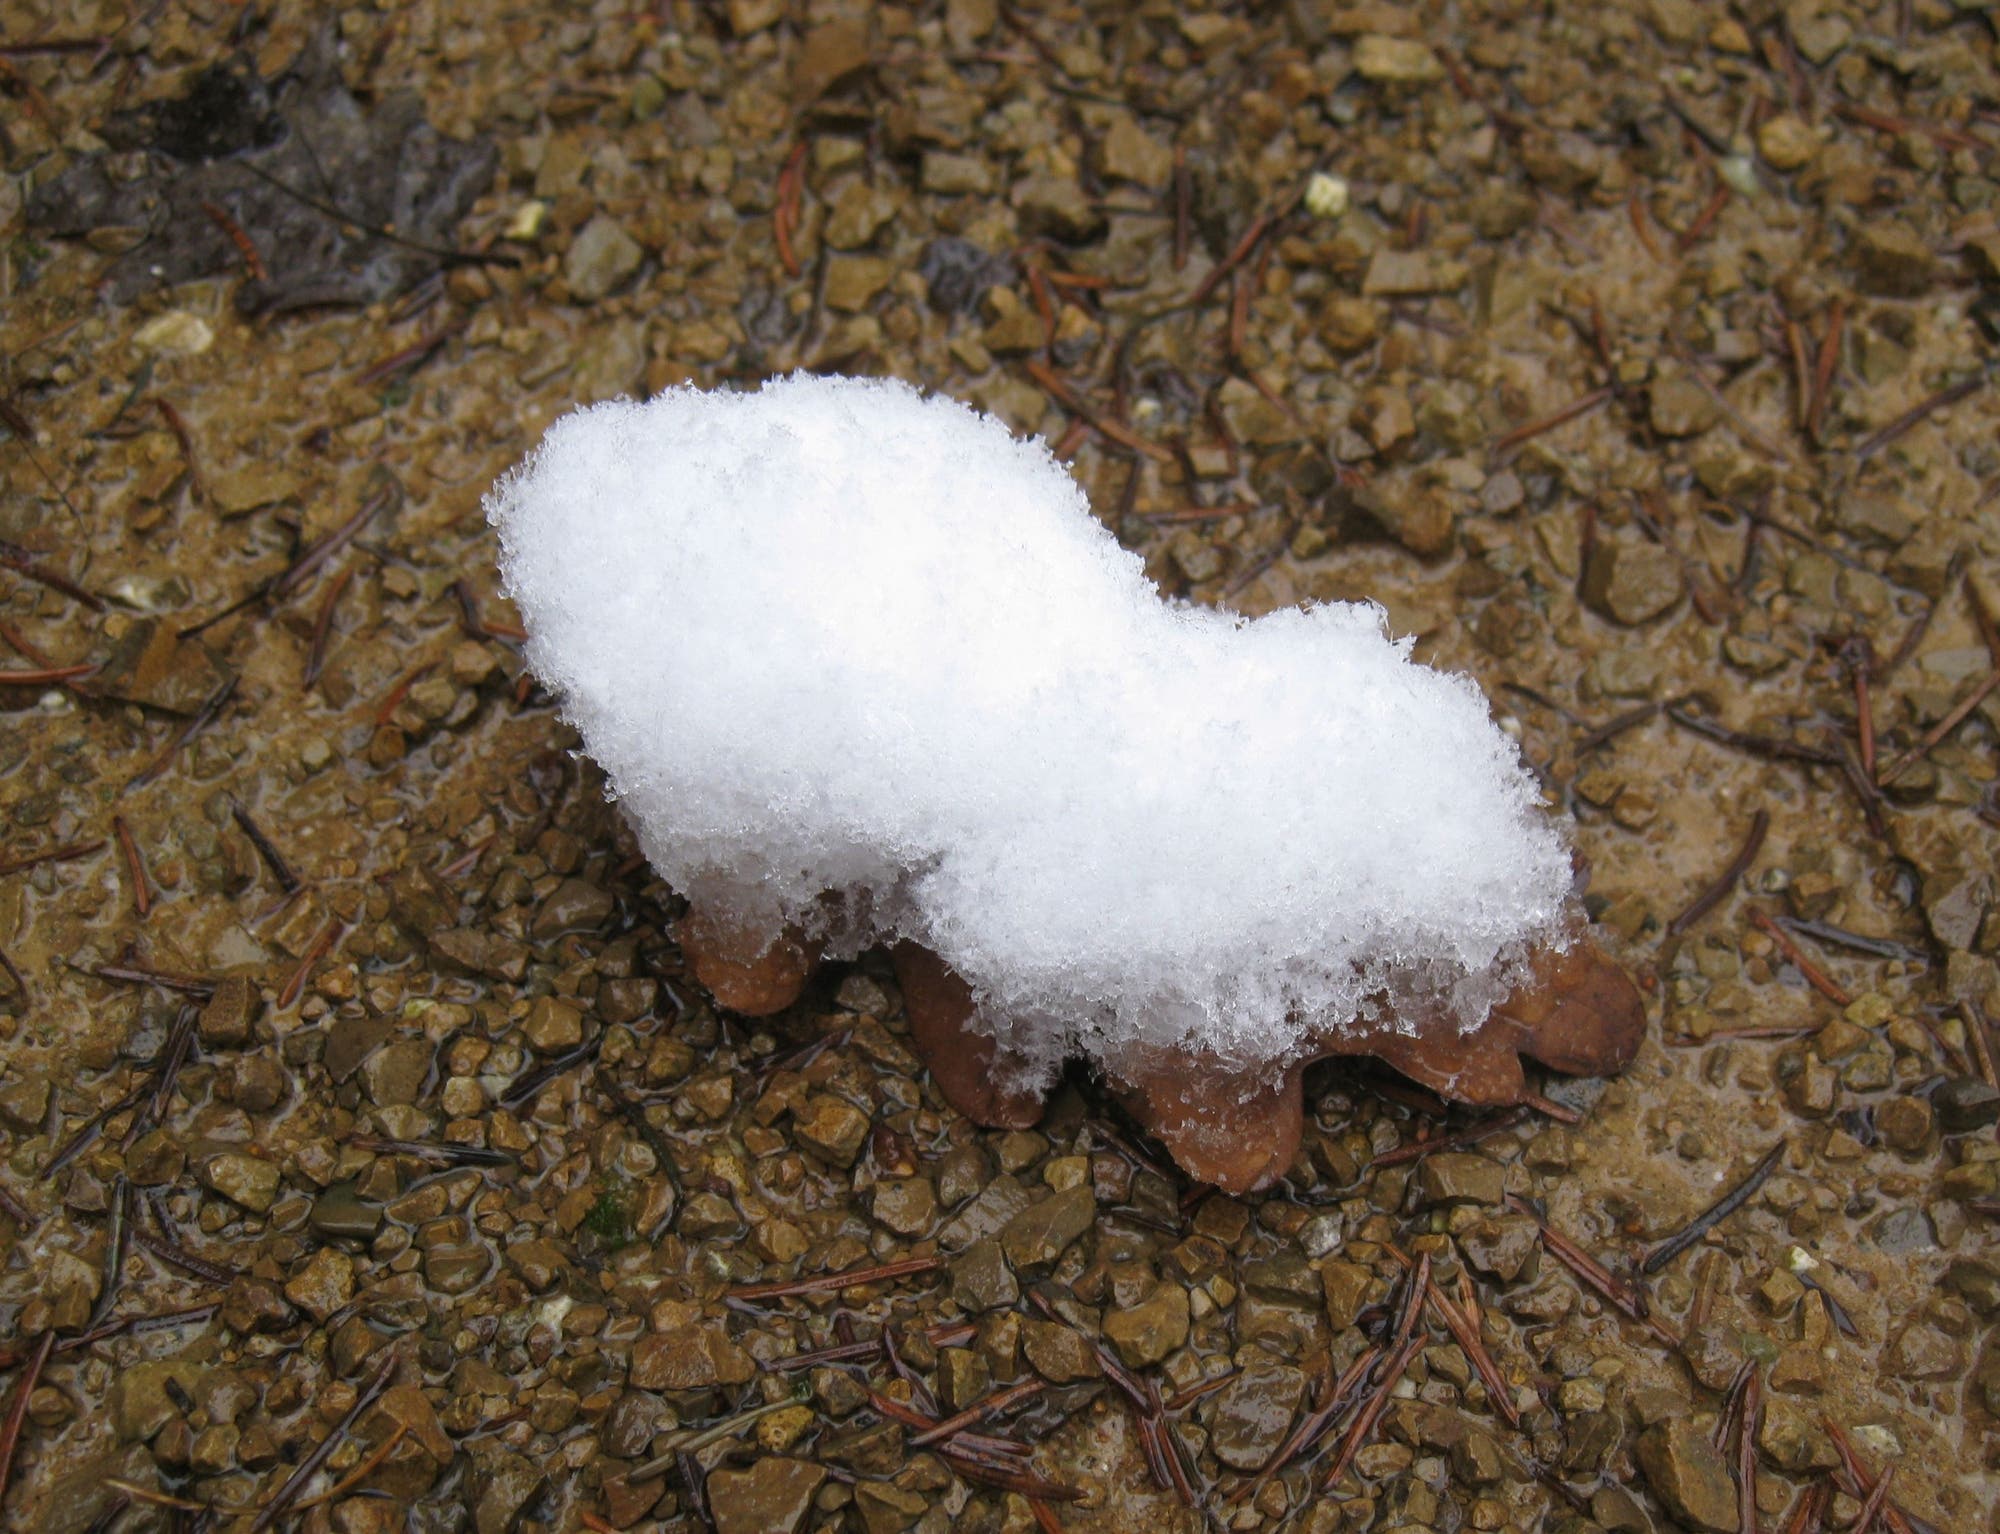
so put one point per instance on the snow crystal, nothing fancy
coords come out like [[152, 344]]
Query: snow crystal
[[837, 636]]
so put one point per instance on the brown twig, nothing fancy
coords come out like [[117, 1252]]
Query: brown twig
[[785, 214], [1940, 730], [188, 1262], [17, 1414], [1817, 978], [166, 1072], [44, 676], [184, 439], [1358, 1431], [1974, 1017], [309, 1466], [328, 934], [323, 627], [166, 980], [253, 260], [1722, 402], [1704, 220], [29, 651], [87, 1135], [273, 859], [1715, 1214], [1769, 746], [1506, 443], [135, 867], [1635, 210], [1875, 441], [17, 1211], [14, 975], [1612, 728], [67, 853], [1857, 1483], [134, 1324], [367, 1467], [409, 358], [1856, 942], [322, 549], [902, 1268], [386, 710], [1746, 1453], [1416, 1150], [211, 706], [22, 562], [1716, 893], [979, 1411], [117, 1242], [1883, 122], [1825, 367], [1070, 400], [1795, 348], [1627, 1297], [1183, 207], [1259, 226]]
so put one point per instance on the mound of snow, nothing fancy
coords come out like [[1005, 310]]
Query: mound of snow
[[836, 636]]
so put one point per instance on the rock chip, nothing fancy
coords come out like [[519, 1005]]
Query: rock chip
[[1461, 1177], [575, 905], [1056, 206], [1039, 1234], [1130, 153], [1677, 406], [981, 1279], [1059, 1353], [324, 1284], [1786, 141], [853, 281], [70, 1287], [906, 1205], [832, 54], [1396, 60], [689, 1358], [85, 1498], [1253, 1412], [1345, 1286], [955, 175], [553, 1025], [1923, 1350], [771, 1496], [241, 1178], [139, 1401], [1687, 1473], [1893, 259], [992, 1209], [887, 1508], [506, 1483], [859, 209], [1632, 583], [225, 1017], [1965, 1105], [1144, 1334], [238, 492], [833, 1127], [1905, 1123], [600, 260], [151, 665], [1410, 273]]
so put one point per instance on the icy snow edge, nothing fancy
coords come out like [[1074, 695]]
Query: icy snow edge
[[834, 635]]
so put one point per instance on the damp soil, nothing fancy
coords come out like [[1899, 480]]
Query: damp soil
[[370, 1162]]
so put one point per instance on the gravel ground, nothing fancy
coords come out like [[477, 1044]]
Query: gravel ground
[[370, 1163]]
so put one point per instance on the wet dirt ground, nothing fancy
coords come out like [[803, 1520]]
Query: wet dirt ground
[[369, 1160]]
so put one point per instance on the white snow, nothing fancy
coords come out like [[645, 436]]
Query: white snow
[[834, 635]]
